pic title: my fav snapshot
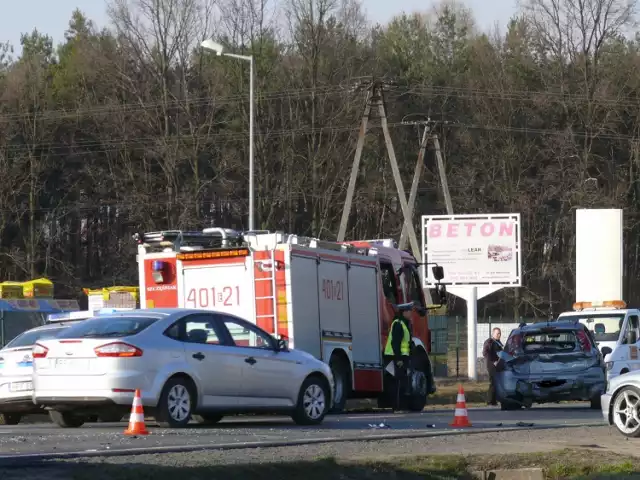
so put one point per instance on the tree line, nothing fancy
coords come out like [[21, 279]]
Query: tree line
[[133, 127]]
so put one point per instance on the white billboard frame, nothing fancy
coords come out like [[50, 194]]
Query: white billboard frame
[[514, 217]]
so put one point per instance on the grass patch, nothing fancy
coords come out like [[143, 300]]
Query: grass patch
[[565, 464], [475, 393], [569, 464]]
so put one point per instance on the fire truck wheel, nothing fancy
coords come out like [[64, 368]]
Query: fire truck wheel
[[10, 418], [418, 398], [342, 378], [313, 401], [176, 403]]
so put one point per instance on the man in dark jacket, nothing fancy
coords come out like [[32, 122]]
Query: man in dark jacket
[[490, 350], [398, 348]]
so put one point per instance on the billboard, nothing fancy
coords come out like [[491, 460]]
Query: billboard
[[599, 255], [474, 250]]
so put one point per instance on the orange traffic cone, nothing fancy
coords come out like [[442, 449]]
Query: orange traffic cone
[[461, 417], [136, 420]]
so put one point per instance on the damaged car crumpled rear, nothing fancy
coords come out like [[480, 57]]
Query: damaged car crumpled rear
[[549, 362]]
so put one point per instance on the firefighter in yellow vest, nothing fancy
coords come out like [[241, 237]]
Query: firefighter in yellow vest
[[398, 348]]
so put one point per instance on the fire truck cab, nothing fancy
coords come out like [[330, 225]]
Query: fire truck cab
[[332, 300]]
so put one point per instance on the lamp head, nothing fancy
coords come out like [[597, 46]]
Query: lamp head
[[214, 46]]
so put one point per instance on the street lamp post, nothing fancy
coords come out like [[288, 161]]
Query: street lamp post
[[220, 51]]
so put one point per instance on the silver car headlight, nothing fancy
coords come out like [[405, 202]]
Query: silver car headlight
[[608, 366]]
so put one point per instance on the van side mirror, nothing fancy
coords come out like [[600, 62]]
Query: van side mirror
[[606, 351], [438, 272], [631, 337]]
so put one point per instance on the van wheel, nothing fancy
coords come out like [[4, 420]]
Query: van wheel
[[313, 402], [66, 419], [207, 419], [176, 404], [342, 378], [10, 418]]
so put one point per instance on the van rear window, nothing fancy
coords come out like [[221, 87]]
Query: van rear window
[[550, 342]]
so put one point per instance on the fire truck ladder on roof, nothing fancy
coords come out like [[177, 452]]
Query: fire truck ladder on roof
[[383, 242], [179, 240], [323, 244], [269, 266]]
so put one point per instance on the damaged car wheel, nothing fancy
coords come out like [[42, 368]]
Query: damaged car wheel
[[507, 405]]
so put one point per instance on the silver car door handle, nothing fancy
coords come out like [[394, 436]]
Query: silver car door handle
[[198, 356], [250, 360]]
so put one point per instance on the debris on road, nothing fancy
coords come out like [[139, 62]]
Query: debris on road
[[379, 425]]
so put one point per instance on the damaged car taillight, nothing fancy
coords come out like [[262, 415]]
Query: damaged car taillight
[[514, 344], [583, 339]]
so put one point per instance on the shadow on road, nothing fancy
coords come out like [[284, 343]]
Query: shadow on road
[[315, 470], [398, 468]]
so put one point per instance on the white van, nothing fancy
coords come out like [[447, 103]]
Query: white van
[[615, 329]]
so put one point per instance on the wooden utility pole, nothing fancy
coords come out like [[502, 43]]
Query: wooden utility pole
[[355, 168], [375, 100], [417, 174], [428, 128], [443, 176]]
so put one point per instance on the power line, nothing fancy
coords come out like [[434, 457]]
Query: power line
[[82, 207], [422, 90], [111, 145], [195, 101]]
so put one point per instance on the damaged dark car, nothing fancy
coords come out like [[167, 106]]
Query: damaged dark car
[[548, 363]]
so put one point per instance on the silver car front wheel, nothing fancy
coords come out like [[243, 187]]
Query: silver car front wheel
[[313, 402], [176, 403], [625, 412]]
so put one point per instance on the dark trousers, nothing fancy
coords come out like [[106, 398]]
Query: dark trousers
[[400, 380], [491, 394]]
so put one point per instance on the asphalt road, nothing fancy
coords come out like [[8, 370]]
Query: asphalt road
[[101, 437]]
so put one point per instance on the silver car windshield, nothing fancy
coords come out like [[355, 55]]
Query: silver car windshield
[[108, 327], [556, 342], [29, 338], [605, 327]]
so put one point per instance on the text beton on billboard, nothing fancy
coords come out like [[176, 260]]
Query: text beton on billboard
[[475, 251]]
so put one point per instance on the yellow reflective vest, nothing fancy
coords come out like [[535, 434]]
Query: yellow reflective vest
[[406, 340]]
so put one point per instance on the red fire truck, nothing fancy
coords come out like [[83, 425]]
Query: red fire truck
[[332, 300]]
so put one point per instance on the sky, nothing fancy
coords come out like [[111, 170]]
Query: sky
[[52, 16]]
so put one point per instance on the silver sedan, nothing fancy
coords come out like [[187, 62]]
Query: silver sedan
[[186, 363], [16, 368], [621, 403]]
